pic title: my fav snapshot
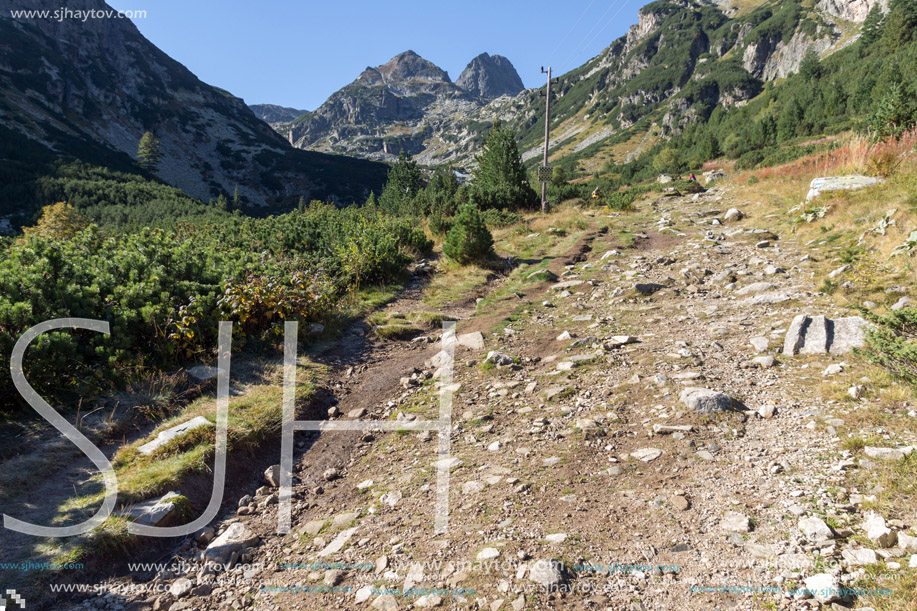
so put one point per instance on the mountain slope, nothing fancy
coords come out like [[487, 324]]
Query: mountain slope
[[94, 87]]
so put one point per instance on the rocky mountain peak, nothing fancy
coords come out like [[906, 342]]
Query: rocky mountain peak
[[489, 77], [410, 66]]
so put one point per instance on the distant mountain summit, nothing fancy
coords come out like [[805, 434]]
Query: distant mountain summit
[[385, 110], [272, 113], [489, 77], [406, 74]]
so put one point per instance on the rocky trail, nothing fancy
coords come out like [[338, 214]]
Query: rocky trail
[[641, 426]]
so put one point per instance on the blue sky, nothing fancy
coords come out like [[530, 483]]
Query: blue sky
[[298, 53]]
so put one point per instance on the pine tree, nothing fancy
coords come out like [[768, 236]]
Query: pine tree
[[892, 116], [235, 199], [501, 180], [404, 181], [148, 152], [872, 26], [469, 240]]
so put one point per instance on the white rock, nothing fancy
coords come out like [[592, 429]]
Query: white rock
[[859, 557], [180, 587], [907, 542], [824, 587], [474, 341], [363, 594], [735, 522], [760, 344], [386, 602], [236, 538], [877, 531], [488, 553], [646, 454], [169, 434], [815, 529], [546, 573], [883, 453], [556, 538]]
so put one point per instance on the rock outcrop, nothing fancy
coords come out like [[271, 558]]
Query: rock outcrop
[[820, 335], [489, 77]]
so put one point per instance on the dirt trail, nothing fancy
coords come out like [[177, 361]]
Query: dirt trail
[[569, 490]]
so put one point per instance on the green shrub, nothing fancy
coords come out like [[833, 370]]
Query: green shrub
[[892, 344], [469, 240]]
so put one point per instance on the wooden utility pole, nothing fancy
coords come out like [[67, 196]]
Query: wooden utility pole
[[547, 130]]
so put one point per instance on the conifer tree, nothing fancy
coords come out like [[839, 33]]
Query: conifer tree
[[148, 152]]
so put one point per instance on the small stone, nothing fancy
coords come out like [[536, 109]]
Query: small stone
[[877, 531], [907, 542], [833, 369], [546, 573], [272, 476], [760, 344], [735, 522], [646, 454], [859, 557], [488, 553], [815, 529], [363, 594], [556, 538], [386, 602], [767, 411], [824, 587], [765, 362], [679, 502], [331, 474], [180, 587]]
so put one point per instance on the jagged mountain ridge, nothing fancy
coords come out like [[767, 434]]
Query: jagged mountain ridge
[[682, 58], [272, 113], [76, 86], [400, 105]]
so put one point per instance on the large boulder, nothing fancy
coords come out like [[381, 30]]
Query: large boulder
[[840, 183], [706, 401], [820, 335]]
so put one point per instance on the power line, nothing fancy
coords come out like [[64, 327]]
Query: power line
[[600, 19], [610, 21], [573, 27]]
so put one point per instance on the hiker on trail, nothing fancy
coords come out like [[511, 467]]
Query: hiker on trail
[[692, 177], [596, 193]]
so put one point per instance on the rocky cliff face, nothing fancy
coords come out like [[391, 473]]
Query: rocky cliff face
[[489, 77], [851, 10], [71, 84]]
